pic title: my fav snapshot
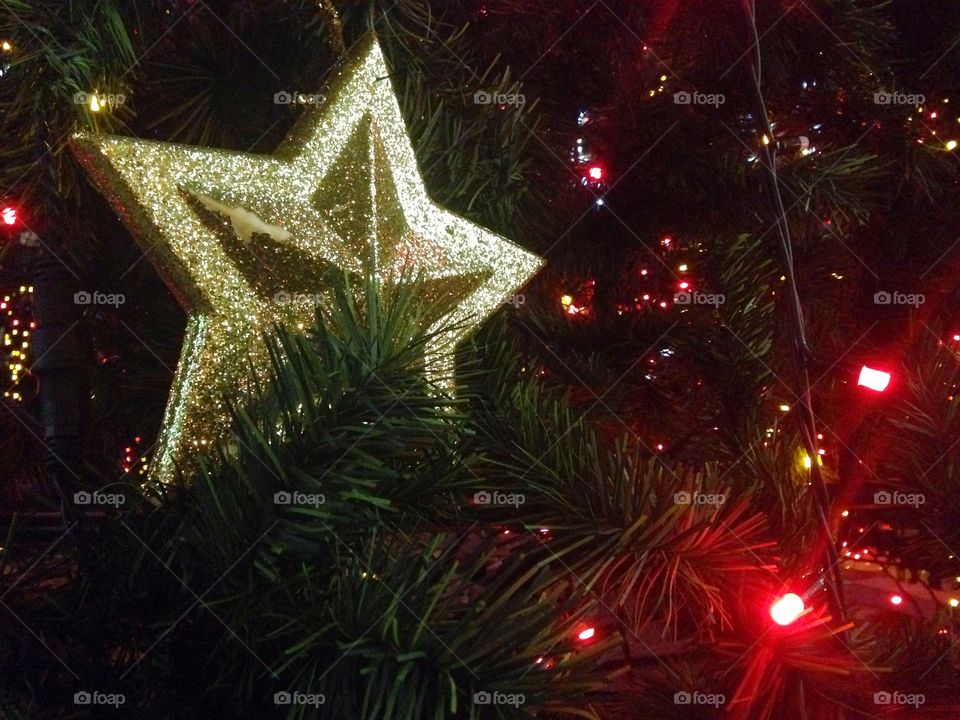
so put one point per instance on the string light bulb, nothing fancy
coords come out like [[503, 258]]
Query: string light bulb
[[876, 380], [787, 609]]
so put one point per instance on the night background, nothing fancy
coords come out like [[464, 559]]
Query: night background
[[723, 412]]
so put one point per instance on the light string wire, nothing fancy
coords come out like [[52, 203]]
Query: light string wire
[[802, 356]]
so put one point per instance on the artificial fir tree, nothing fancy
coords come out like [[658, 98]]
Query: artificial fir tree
[[598, 518]]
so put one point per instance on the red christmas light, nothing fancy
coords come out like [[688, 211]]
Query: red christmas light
[[877, 380], [896, 600], [586, 634], [595, 173], [9, 215], [787, 609]]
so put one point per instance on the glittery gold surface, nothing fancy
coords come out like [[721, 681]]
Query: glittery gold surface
[[245, 241]]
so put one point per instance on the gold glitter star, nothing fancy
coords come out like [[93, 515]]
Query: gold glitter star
[[245, 241]]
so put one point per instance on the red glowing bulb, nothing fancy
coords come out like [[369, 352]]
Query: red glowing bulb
[[873, 379], [896, 600], [684, 285], [9, 215], [787, 609], [596, 172], [586, 634]]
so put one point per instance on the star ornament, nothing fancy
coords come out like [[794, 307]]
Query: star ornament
[[245, 241]]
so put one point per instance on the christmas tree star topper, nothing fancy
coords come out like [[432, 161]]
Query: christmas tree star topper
[[245, 241]]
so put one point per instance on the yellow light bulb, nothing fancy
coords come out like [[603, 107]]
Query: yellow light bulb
[[951, 144], [7, 47], [784, 408], [566, 300], [95, 103], [807, 462], [954, 602]]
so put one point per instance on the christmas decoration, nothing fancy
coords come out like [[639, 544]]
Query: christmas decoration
[[246, 241], [681, 494], [873, 379], [787, 609]]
